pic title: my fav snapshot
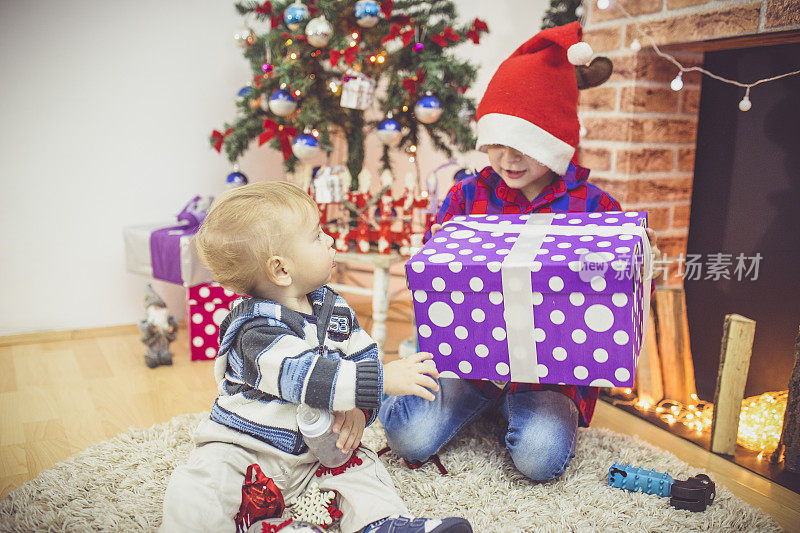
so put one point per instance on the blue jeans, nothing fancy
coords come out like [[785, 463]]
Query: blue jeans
[[542, 425]]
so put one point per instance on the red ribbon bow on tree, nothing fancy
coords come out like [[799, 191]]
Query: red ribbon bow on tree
[[395, 32], [264, 9], [219, 136], [474, 32], [447, 34], [273, 129], [298, 37], [261, 498], [411, 84], [261, 77], [349, 54], [386, 7]]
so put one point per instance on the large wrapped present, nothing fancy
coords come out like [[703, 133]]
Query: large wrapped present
[[207, 305], [166, 251], [538, 298]]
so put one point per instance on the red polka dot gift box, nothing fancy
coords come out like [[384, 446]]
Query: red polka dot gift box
[[207, 305], [535, 298]]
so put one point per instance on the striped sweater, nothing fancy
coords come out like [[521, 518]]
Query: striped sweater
[[272, 358]]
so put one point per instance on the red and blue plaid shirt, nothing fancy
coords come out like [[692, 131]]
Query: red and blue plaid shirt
[[487, 194]]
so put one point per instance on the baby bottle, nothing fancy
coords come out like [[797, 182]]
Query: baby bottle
[[316, 425]]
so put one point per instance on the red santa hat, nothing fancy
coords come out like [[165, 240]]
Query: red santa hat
[[531, 103]]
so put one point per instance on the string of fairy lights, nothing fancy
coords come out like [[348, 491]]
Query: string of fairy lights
[[677, 83], [760, 420]]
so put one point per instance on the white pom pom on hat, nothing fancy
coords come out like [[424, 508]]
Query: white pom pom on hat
[[580, 53]]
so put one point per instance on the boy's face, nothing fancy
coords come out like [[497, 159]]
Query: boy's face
[[518, 170], [312, 256]]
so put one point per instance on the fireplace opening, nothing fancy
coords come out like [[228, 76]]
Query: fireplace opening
[[746, 203]]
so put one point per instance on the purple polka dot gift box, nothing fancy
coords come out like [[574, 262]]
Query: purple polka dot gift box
[[535, 298]]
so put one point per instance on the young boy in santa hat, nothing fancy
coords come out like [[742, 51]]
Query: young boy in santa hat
[[528, 126]]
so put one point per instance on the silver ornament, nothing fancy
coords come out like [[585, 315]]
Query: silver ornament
[[282, 103], [319, 31], [389, 136], [428, 109], [305, 147]]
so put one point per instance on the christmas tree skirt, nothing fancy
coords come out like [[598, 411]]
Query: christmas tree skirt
[[119, 485]]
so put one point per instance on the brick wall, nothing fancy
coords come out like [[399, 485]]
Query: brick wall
[[640, 134]]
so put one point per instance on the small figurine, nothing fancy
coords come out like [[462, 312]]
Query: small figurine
[[158, 330], [694, 494]]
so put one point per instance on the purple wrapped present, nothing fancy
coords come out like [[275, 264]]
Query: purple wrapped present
[[537, 298], [166, 251]]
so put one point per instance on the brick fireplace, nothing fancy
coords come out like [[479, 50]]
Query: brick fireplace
[[640, 136], [640, 141]]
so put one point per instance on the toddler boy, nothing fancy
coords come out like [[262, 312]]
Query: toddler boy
[[293, 340]]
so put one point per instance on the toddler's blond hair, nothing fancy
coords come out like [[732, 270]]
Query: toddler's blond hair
[[248, 225]]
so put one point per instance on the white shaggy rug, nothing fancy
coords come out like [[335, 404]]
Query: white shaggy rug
[[118, 485]]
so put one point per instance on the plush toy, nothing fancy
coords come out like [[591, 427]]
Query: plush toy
[[158, 329]]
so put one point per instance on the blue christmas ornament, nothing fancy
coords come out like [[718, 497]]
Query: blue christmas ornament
[[294, 15], [428, 109], [368, 13], [236, 179], [282, 103], [245, 91], [305, 146], [389, 132]]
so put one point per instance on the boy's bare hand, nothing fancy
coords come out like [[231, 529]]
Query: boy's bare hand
[[350, 427], [411, 375]]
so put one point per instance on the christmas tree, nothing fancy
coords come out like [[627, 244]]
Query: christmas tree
[[316, 67], [562, 12]]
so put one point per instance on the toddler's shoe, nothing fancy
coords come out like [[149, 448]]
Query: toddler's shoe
[[408, 524]]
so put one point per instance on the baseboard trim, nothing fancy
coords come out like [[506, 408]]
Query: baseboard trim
[[71, 334]]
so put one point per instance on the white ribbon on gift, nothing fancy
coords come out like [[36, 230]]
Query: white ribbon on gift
[[516, 279]]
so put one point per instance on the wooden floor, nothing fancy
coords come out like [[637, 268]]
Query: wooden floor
[[59, 397]]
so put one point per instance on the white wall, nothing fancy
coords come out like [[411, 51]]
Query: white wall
[[106, 108]]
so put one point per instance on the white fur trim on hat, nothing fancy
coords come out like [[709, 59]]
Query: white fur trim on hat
[[580, 53], [526, 137]]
